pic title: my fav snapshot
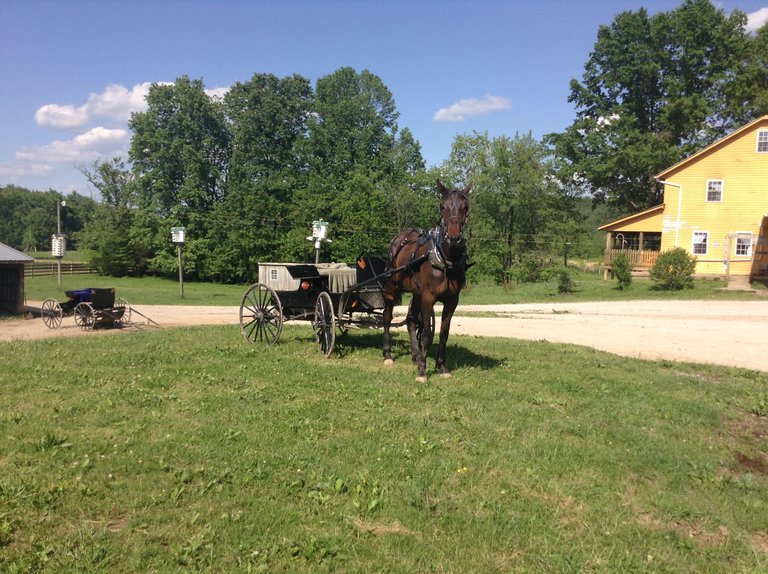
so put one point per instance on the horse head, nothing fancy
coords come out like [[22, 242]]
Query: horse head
[[454, 208]]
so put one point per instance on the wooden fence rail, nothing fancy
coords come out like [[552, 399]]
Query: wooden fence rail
[[637, 258], [48, 268]]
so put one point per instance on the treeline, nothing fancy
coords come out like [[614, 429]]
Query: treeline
[[246, 175]]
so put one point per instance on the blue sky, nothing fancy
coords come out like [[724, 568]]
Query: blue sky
[[72, 71]]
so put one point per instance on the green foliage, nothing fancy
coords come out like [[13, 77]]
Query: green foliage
[[674, 270], [622, 270], [655, 89], [28, 218], [565, 283]]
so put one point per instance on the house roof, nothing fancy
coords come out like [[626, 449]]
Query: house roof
[[10, 255], [634, 218], [721, 142]]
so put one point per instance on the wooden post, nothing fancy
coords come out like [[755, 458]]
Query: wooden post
[[181, 269]]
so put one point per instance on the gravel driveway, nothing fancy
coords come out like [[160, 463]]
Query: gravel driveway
[[720, 332]]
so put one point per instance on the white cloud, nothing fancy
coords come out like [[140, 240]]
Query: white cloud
[[14, 169], [463, 109], [756, 19], [217, 93], [98, 142], [115, 103]]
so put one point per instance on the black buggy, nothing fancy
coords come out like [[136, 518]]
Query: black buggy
[[91, 307], [330, 296]]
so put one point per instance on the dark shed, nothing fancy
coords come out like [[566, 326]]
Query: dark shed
[[12, 280]]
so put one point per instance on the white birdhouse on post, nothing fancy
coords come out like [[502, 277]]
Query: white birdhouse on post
[[319, 232], [177, 237]]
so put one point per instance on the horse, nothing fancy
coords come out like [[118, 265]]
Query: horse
[[432, 266]]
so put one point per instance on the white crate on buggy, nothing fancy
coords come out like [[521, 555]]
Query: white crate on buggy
[[278, 276]]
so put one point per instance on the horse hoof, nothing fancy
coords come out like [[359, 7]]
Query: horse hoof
[[389, 363], [446, 375], [421, 379]]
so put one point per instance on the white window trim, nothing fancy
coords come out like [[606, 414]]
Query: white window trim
[[757, 143], [722, 191], [736, 243], [693, 243]]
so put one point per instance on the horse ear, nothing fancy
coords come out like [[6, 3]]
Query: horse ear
[[467, 189], [441, 188]]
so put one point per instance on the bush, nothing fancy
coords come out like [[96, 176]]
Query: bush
[[673, 270], [565, 283], [622, 270]]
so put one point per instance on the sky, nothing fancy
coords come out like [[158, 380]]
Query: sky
[[72, 71]]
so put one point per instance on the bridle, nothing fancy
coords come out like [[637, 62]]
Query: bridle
[[455, 216]]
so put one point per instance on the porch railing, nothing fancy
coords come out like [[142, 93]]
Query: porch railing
[[638, 258]]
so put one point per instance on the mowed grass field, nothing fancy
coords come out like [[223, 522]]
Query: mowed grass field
[[192, 450]]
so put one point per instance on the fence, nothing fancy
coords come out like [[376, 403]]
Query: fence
[[643, 259], [47, 268]]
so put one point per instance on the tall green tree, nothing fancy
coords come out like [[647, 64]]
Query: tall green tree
[[355, 161], [268, 116], [180, 153], [655, 89], [519, 211], [111, 235]]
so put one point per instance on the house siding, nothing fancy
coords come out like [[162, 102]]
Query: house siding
[[744, 173]]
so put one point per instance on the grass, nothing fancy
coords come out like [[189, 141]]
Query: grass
[[589, 287], [189, 449]]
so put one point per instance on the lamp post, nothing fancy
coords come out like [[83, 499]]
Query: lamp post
[[177, 236], [58, 242]]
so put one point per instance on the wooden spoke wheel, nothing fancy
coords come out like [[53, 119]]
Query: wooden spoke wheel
[[122, 312], [324, 324], [85, 316], [52, 313], [261, 315]]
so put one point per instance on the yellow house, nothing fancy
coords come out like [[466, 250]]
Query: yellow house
[[715, 206]]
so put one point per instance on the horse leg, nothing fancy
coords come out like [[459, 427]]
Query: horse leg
[[412, 321], [426, 303], [445, 326], [386, 348]]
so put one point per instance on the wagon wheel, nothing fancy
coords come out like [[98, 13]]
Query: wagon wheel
[[85, 316], [52, 313], [324, 324], [122, 312], [261, 315]]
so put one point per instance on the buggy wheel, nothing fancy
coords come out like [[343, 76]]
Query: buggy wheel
[[52, 313], [324, 324], [261, 315], [122, 312], [85, 316]]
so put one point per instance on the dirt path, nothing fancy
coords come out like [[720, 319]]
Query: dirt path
[[728, 333]]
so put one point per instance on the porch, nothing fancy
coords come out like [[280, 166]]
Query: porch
[[641, 259]]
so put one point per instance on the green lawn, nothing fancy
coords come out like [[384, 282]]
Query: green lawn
[[191, 450]]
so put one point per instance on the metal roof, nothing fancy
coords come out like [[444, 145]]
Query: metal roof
[[10, 255]]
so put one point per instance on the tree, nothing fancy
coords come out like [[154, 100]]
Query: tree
[[655, 89], [267, 116], [110, 233], [518, 209], [355, 163], [180, 153]]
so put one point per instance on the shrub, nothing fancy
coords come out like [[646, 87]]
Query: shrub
[[622, 270], [673, 270], [565, 283]]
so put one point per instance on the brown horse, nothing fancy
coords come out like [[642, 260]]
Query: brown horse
[[434, 265]]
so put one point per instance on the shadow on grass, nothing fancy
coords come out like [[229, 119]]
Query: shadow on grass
[[457, 356]]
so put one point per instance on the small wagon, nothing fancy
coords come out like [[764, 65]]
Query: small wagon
[[330, 296], [92, 307]]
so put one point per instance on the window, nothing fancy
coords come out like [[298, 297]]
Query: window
[[715, 190], [762, 141], [743, 245], [273, 274], [700, 240]]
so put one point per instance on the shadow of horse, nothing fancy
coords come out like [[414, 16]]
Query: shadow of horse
[[460, 357]]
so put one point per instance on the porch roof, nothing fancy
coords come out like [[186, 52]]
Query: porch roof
[[649, 221]]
